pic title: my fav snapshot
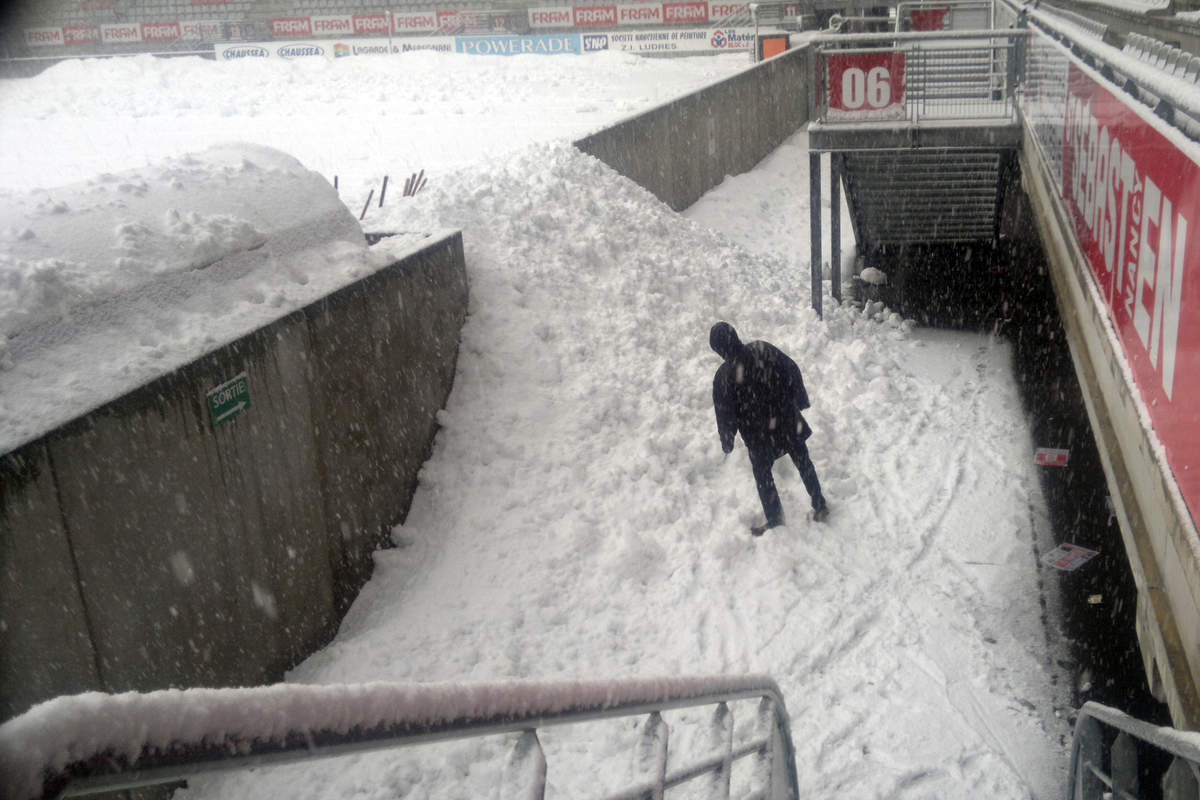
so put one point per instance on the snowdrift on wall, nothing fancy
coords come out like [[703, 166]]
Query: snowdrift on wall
[[126, 277]]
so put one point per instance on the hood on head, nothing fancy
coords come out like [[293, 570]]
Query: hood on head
[[723, 339]]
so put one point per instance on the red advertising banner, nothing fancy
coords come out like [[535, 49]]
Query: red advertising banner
[[720, 11], [160, 31], [1134, 199], [583, 16], [80, 34], [422, 22], [865, 86], [331, 25], [685, 12], [641, 14], [291, 26], [372, 24]]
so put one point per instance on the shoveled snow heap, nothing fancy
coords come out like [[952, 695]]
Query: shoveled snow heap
[[107, 284]]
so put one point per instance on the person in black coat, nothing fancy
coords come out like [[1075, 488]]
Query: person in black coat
[[760, 393]]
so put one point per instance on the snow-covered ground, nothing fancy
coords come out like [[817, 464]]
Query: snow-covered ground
[[576, 518]]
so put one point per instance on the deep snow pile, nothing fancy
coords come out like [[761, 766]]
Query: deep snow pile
[[115, 281]]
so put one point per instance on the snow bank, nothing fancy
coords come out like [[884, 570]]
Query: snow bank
[[109, 283]]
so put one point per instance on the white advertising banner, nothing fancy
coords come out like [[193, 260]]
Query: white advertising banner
[[710, 40], [44, 37], [124, 32]]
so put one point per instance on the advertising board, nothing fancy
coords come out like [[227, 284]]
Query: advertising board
[[1131, 189], [541, 44], [44, 37], [864, 86], [690, 41], [121, 33]]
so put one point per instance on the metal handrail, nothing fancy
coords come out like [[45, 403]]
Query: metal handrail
[[1090, 779], [949, 5], [93, 743]]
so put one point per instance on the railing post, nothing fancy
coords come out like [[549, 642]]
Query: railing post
[[814, 224], [524, 776], [1180, 782], [774, 761], [1088, 755], [651, 755], [1124, 769], [720, 739], [835, 225]]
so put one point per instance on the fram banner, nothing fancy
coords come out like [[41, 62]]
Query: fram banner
[[44, 37], [1133, 195], [865, 86]]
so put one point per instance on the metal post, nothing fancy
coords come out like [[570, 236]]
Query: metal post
[[524, 776], [814, 211], [835, 225]]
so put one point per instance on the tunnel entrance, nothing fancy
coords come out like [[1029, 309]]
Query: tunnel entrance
[[1006, 291]]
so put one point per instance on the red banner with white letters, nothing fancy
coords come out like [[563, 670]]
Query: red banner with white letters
[[864, 86], [1133, 195]]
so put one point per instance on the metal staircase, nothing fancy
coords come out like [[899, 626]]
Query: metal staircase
[[923, 195], [921, 128]]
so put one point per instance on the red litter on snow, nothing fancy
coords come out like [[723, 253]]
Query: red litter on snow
[[1051, 457], [1069, 557]]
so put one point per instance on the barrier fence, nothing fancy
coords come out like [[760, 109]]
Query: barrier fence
[[916, 77]]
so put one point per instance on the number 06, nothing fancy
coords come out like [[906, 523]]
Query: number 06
[[872, 88]]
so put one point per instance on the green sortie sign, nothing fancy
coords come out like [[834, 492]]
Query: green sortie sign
[[229, 399]]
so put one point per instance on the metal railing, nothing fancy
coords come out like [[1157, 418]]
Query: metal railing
[[956, 14], [949, 76], [93, 743], [1114, 754]]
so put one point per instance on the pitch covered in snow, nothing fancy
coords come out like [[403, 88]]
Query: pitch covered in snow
[[577, 518]]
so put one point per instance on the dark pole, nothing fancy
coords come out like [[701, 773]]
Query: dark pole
[[814, 210], [835, 225]]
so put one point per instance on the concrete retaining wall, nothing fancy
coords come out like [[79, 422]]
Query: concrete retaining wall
[[142, 547], [682, 149]]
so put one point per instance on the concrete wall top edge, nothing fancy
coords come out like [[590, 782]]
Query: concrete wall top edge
[[800, 51]]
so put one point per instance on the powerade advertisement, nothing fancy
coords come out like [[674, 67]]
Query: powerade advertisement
[[545, 44]]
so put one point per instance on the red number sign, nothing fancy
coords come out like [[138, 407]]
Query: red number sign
[[865, 86]]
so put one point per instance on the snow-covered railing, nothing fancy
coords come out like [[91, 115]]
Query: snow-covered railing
[[1117, 769], [92, 743], [1167, 87], [1094, 27]]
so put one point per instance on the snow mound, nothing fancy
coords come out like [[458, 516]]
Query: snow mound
[[127, 276]]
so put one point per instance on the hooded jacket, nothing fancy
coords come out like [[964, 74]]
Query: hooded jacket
[[758, 392]]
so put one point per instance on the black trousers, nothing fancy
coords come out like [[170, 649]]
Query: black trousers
[[762, 460]]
